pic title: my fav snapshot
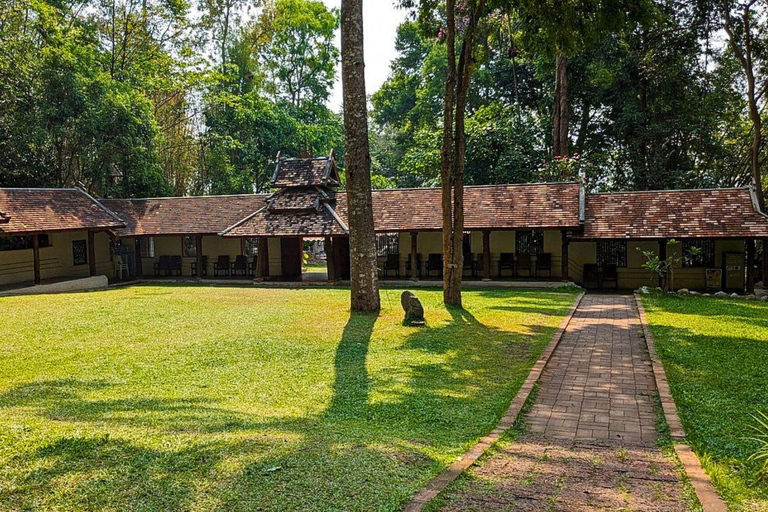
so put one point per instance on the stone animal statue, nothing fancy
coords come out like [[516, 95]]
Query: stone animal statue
[[414, 311]]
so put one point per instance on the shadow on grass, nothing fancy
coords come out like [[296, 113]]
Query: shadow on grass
[[364, 451]]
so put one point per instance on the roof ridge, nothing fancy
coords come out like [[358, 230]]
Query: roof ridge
[[496, 185], [659, 191], [264, 194]]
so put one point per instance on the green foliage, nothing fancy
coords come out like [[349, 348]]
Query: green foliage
[[760, 437], [665, 268]]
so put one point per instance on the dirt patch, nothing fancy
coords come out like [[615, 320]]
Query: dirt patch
[[542, 474]]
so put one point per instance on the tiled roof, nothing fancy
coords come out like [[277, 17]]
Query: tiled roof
[[674, 214], [46, 210], [295, 199], [183, 215], [303, 172], [550, 205], [296, 223]]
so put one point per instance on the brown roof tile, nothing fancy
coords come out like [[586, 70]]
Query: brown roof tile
[[45, 210], [302, 172], [709, 213], [295, 199], [283, 223], [183, 215]]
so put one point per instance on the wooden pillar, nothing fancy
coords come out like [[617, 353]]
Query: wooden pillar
[[486, 255], [36, 257], [262, 259], [750, 243], [91, 253], [564, 254], [330, 261], [199, 256], [662, 255], [414, 255], [137, 258]]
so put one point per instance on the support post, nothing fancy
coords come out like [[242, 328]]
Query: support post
[[486, 255], [564, 241], [137, 257], [750, 265], [765, 262], [199, 256], [662, 256], [36, 257], [262, 259], [91, 253], [330, 260], [414, 255]]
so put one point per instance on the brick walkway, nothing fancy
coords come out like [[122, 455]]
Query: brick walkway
[[598, 384], [591, 431]]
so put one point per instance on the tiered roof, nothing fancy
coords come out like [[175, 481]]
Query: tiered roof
[[47, 210]]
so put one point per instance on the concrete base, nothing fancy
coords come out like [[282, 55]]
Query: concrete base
[[71, 285]]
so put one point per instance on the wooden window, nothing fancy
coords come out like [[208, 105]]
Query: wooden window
[[251, 246], [706, 256], [612, 252], [148, 247], [18, 243], [79, 252], [529, 242], [189, 246], [387, 243]]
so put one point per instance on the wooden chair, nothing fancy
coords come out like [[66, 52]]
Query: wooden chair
[[524, 262], [121, 268], [507, 262], [163, 264], [479, 265], [418, 265], [469, 264], [240, 265], [544, 263], [221, 265], [174, 265], [391, 263], [591, 275], [252, 265], [193, 267], [610, 273], [434, 264]]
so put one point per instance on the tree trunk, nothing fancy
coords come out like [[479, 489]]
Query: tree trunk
[[745, 58], [362, 243], [446, 152], [561, 110]]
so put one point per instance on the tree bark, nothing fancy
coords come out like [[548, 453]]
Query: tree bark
[[362, 243], [745, 57], [446, 152], [561, 110]]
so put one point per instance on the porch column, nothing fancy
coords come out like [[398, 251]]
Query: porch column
[[330, 259], [199, 256], [262, 259], [91, 253], [414, 252], [137, 258], [564, 254], [486, 255], [765, 262], [662, 255], [750, 243], [36, 257]]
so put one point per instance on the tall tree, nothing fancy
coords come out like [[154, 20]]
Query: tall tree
[[453, 151], [362, 241], [742, 23]]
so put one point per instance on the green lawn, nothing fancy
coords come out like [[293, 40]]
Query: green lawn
[[715, 352], [200, 398]]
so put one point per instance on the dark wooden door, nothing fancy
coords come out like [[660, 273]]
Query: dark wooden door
[[341, 257], [291, 257]]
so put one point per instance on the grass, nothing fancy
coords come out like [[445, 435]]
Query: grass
[[715, 353], [316, 267], [200, 398]]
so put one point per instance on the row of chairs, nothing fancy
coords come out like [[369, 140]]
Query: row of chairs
[[474, 264], [171, 265]]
